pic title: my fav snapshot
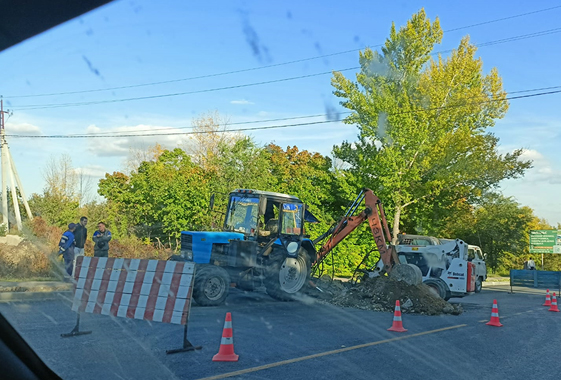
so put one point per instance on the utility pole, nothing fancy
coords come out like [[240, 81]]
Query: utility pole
[[3, 150], [9, 172]]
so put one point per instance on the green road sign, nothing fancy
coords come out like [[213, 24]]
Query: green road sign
[[544, 241]]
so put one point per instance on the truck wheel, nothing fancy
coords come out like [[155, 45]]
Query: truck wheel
[[478, 285], [437, 287], [287, 275], [211, 285]]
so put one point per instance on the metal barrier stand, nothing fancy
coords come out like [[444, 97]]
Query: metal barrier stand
[[187, 346], [76, 331]]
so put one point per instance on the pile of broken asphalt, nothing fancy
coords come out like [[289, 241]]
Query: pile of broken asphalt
[[380, 294]]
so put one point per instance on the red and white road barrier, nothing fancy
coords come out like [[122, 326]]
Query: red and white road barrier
[[152, 290]]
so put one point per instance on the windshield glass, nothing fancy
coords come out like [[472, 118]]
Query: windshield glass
[[242, 214], [291, 219]]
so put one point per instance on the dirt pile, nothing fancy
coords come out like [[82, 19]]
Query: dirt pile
[[24, 261], [380, 294]]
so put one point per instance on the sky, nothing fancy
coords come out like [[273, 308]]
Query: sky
[[215, 55]]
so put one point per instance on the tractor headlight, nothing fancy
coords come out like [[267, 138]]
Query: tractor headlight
[[292, 247]]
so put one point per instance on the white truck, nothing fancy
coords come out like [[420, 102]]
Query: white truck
[[476, 256], [445, 264]]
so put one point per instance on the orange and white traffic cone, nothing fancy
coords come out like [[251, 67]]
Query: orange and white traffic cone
[[397, 324], [547, 299], [554, 304], [495, 316], [226, 351]]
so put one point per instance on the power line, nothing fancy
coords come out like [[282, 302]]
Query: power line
[[266, 66], [177, 133], [284, 125], [117, 133], [87, 103], [189, 78], [509, 39], [58, 105], [505, 18], [522, 37], [226, 124]]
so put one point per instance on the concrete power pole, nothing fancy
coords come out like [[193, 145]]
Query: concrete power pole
[[3, 149], [9, 172]]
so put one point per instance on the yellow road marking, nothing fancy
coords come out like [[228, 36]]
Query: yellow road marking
[[326, 353]]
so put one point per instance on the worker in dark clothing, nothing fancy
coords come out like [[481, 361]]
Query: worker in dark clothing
[[66, 248], [81, 235], [101, 239]]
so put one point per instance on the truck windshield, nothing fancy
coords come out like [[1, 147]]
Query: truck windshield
[[242, 214], [291, 219]]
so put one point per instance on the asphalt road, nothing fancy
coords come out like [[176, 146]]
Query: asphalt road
[[277, 340]]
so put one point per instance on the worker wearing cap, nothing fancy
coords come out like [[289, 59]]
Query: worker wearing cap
[[66, 248], [101, 239]]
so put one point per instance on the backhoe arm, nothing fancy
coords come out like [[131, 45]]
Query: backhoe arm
[[374, 213]]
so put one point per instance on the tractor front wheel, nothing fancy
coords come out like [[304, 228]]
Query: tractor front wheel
[[286, 276], [212, 284]]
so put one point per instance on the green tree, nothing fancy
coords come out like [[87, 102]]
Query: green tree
[[423, 122], [499, 225], [161, 199], [116, 190]]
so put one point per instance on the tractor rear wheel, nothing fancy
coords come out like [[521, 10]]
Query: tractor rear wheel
[[286, 276], [212, 284]]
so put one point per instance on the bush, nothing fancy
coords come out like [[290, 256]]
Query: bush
[[127, 247], [26, 261]]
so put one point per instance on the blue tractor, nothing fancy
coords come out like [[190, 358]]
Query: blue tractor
[[263, 243]]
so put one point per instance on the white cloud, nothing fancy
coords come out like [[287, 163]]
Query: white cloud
[[539, 188], [532, 154], [242, 102], [23, 129], [134, 137], [543, 170], [95, 171]]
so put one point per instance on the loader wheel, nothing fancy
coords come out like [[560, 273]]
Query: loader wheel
[[286, 276], [211, 285], [437, 287], [478, 285]]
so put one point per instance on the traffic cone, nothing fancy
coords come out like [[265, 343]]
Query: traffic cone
[[495, 316], [547, 299], [397, 324], [226, 351], [554, 304]]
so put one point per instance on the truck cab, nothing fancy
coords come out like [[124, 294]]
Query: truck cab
[[478, 259]]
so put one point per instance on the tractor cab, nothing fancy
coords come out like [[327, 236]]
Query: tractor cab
[[262, 216]]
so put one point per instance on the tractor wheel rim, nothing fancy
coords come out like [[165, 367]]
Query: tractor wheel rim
[[292, 274], [214, 288]]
